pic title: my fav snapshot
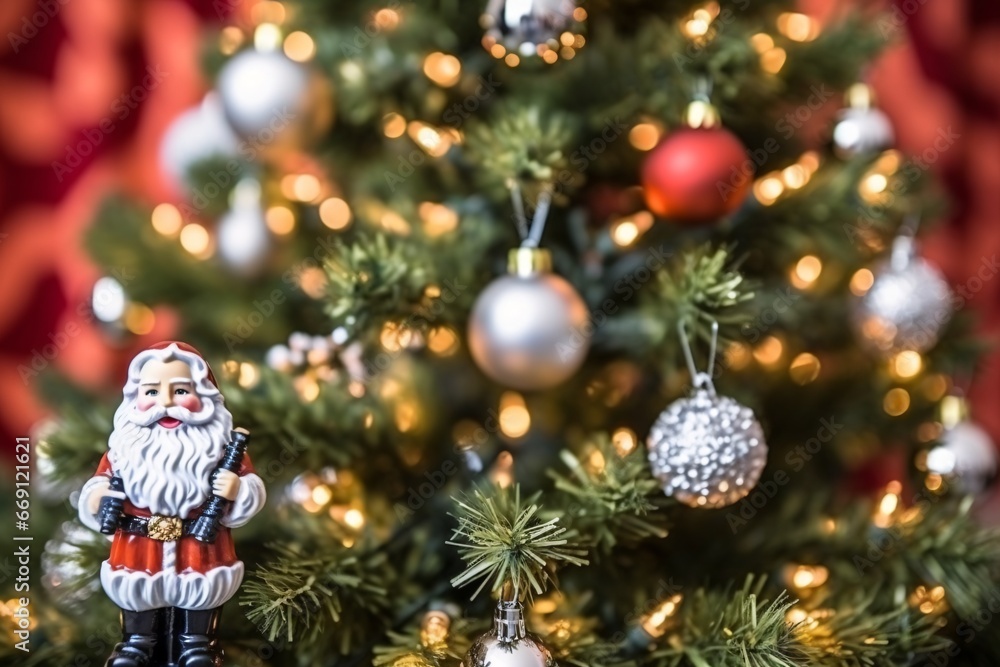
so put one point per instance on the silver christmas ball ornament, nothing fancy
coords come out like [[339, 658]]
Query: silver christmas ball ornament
[[529, 329], [862, 128], [523, 26], [198, 134], [707, 450], [508, 644], [907, 306], [965, 457], [270, 99]]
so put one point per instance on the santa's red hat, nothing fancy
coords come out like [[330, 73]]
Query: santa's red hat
[[190, 349]]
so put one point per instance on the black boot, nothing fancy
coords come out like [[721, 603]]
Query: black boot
[[140, 633], [199, 647]]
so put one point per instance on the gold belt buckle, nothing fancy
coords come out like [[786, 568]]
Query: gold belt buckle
[[164, 528]]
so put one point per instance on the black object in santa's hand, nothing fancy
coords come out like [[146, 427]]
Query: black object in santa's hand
[[110, 513], [206, 526]]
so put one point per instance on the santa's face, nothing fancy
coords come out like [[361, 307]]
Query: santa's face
[[164, 384]]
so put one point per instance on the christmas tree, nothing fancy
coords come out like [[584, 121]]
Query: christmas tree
[[552, 304]]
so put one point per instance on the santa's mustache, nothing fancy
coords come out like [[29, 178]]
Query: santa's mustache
[[154, 414]]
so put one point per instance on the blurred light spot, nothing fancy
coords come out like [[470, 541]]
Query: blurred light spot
[[194, 239], [624, 441], [514, 417], [644, 136], [299, 46], [804, 369], [166, 219], [769, 351], [139, 319], [896, 402], [907, 364], [335, 213], [108, 299], [861, 282], [280, 220], [443, 69], [807, 271], [394, 125]]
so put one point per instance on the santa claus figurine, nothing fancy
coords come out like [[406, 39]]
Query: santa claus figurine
[[171, 436]]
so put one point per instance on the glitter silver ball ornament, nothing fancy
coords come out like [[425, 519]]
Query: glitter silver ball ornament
[[862, 128], [508, 644], [906, 307], [707, 450], [521, 26], [530, 329], [265, 94]]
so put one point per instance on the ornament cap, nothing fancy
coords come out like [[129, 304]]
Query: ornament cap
[[860, 96], [508, 621], [953, 410], [527, 261], [701, 114]]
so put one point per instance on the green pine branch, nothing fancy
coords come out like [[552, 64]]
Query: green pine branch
[[505, 541]]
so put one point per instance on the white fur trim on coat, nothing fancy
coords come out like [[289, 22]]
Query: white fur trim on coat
[[140, 591], [249, 500]]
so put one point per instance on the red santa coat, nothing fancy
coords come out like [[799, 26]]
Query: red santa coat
[[143, 573]]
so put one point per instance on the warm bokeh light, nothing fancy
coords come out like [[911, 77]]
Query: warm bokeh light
[[335, 213], [139, 319], [896, 401], [166, 219], [644, 136], [304, 187], [387, 18], [861, 282], [514, 418], [437, 218], [280, 220], [806, 576], [762, 42], [624, 440], [657, 623], [194, 239], [798, 27], [230, 40], [772, 60], [300, 47], [804, 369], [312, 281], [512, 60], [769, 351], [737, 356], [248, 375], [442, 341], [807, 271], [768, 189], [443, 69], [907, 364], [393, 125], [267, 37], [268, 12]]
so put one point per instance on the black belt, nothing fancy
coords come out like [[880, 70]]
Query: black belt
[[165, 528]]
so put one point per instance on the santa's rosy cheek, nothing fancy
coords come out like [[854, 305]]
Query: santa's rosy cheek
[[145, 402], [188, 402]]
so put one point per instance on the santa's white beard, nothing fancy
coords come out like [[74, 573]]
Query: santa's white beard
[[167, 470]]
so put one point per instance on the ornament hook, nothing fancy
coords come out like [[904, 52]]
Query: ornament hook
[[531, 237], [700, 379]]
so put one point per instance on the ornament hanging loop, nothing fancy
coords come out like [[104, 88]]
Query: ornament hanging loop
[[700, 380], [904, 245]]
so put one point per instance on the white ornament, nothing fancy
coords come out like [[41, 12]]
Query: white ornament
[[862, 128], [198, 134], [263, 93], [242, 232]]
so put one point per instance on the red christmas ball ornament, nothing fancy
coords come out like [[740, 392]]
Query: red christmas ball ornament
[[697, 174]]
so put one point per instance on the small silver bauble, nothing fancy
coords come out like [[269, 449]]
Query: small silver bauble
[[263, 93], [906, 307], [199, 133], [707, 450], [242, 233], [862, 128], [522, 26], [508, 644], [530, 329], [964, 457]]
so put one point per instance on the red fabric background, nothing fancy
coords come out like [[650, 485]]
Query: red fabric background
[[64, 81]]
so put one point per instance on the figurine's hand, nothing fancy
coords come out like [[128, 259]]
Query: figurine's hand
[[226, 484], [94, 499]]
